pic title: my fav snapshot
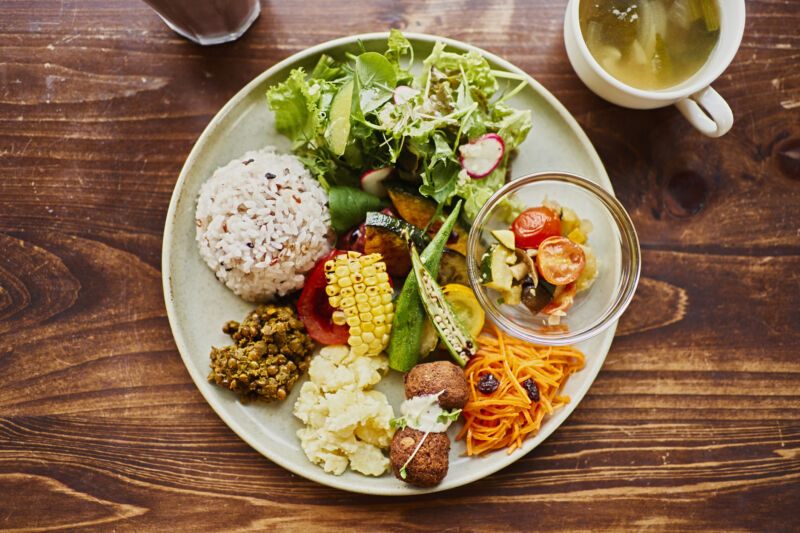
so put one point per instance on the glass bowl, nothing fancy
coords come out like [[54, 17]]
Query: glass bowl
[[613, 241]]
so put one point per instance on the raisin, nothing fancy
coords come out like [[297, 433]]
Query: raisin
[[532, 389], [487, 383]]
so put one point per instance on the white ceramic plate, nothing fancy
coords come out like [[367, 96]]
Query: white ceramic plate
[[198, 305]]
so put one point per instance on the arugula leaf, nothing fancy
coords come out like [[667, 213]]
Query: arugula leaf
[[448, 416], [398, 423], [439, 181]]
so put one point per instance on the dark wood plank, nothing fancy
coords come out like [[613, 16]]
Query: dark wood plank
[[693, 423]]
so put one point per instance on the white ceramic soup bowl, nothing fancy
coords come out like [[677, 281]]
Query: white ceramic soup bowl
[[702, 106]]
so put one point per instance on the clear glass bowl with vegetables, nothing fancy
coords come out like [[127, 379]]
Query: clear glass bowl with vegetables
[[553, 258]]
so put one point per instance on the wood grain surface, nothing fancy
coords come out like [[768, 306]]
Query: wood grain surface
[[692, 425]]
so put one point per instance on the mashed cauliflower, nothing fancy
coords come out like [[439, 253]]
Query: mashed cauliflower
[[346, 422]]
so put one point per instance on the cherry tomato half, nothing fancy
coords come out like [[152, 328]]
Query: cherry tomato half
[[314, 310], [534, 225], [560, 261]]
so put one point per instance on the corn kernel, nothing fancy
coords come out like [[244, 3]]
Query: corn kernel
[[331, 290], [353, 321], [359, 287], [347, 292], [368, 337], [374, 301], [385, 339], [386, 298], [342, 271], [338, 318], [379, 331], [360, 350], [389, 317], [388, 308], [380, 267], [382, 277], [334, 301], [378, 320], [353, 255], [354, 341], [345, 281], [350, 311], [329, 266], [366, 317], [362, 298], [347, 302], [355, 266], [372, 280], [363, 307], [367, 327], [369, 271], [355, 332]]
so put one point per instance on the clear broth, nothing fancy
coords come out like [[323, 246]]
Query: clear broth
[[650, 44]]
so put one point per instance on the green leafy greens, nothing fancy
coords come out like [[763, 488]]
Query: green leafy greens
[[342, 118]]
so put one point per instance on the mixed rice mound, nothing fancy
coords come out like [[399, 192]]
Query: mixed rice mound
[[262, 224]]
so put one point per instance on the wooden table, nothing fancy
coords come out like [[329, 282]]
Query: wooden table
[[693, 423]]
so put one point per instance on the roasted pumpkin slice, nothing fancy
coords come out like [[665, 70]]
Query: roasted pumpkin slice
[[384, 235], [418, 210]]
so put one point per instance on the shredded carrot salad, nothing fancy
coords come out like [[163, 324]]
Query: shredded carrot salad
[[507, 416]]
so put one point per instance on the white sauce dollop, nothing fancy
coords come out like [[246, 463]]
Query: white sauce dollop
[[422, 413]]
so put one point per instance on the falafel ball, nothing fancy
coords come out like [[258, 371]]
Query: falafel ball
[[429, 465], [431, 378]]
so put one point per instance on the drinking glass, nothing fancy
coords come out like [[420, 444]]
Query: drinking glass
[[207, 21]]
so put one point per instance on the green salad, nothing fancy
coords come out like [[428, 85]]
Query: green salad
[[446, 129]]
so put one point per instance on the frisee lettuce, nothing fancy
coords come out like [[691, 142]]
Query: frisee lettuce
[[460, 98]]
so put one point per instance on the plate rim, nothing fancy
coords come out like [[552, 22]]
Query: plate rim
[[319, 475]]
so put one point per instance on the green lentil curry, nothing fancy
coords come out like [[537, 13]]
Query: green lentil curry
[[271, 350]]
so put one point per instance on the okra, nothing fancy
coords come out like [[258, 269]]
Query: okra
[[454, 335], [409, 313]]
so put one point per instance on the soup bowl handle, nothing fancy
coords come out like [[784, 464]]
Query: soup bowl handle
[[707, 111]]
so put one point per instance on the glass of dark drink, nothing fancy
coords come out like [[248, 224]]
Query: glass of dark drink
[[208, 21]]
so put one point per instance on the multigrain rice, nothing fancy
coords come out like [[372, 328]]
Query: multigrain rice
[[262, 224]]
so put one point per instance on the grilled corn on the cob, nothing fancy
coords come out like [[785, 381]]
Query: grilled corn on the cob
[[358, 288]]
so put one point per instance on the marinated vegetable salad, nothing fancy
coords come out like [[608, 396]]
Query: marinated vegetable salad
[[405, 161], [542, 261]]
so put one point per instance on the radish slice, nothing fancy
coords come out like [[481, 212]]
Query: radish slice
[[482, 155], [403, 94], [372, 181]]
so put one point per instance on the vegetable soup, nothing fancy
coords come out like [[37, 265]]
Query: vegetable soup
[[650, 44]]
